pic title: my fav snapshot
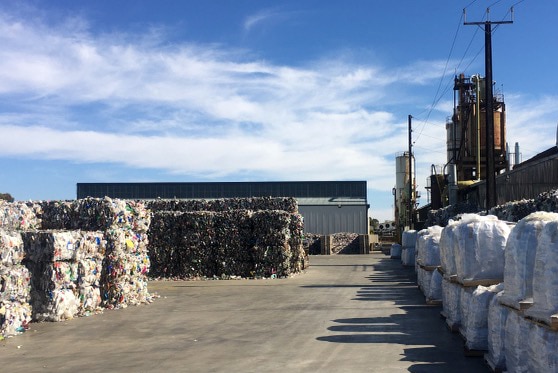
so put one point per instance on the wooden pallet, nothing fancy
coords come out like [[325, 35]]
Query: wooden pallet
[[473, 353], [429, 268], [518, 306], [475, 283], [551, 324], [433, 302]]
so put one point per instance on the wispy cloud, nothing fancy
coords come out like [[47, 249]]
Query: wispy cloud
[[263, 16], [203, 110]]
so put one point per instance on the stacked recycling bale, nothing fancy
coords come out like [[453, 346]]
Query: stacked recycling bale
[[428, 261], [408, 242], [65, 269], [345, 243], [124, 224], [252, 237], [15, 310]]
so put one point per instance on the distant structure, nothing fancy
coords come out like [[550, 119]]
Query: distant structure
[[327, 206]]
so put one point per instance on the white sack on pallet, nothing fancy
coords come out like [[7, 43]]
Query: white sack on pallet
[[451, 302], [15, 283], [497, 316], [476, 323], [447, 246], [480, 245], [408, 256], [542, 345], [428, 246], [545, 281], [395, 251], [435, 288], [11, 248], [14, 317], [465, 296], [409, 238], [423, 279], [520, 254], [515, 347]]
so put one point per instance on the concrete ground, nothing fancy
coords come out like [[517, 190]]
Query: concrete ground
[[353, 313]]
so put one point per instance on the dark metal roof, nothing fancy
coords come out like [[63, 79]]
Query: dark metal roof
[[194, 190]]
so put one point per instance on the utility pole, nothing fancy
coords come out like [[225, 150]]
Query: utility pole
[[410, 202], [489, 106]]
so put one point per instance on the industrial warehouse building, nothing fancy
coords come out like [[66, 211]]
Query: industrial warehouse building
[[327, 206]]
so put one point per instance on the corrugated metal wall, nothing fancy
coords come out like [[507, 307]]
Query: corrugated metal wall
[[522, 183], [332, 219]]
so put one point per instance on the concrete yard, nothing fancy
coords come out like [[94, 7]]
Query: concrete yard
[[352, 313]]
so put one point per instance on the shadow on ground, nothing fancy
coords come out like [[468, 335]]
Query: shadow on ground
[[417, 324]]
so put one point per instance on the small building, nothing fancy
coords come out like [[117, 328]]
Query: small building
[[327, 206]]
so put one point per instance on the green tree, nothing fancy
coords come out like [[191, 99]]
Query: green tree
[[6, 197]]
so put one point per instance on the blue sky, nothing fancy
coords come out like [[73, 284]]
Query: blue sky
[[120, 91]]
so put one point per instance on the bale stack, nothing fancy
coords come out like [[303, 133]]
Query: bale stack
[[15, 310], [124, 225], [428, 261], [408, 242], [250, 237]]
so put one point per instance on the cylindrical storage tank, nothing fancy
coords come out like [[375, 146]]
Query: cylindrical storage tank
[[453, 139]]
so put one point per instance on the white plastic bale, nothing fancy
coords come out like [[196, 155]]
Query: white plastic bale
[[395, 251], [64, 306], [481, 242], [409, 238], [14, 317], [520, 254], [542, 345], [497, 316], [451, 302], [545, 281], [18, 216], [435, 288], [89, 299], [15, 284], [476, 329], [447, 248], [91, 245], [515, 347], [11, 248]]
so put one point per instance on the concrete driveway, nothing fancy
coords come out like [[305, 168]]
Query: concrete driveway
[[353, 313]]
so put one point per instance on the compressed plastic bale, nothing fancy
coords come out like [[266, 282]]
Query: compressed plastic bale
[[521, 249], [481, 242], [15, 283], [91, 245], [64, 306], [18, 216], [95, 214], [476, 329], [428, 246], [89, 299], [434, 292], [409, 238], [545, 281], [14, 317], [497, 316], [11, 248], [50, 246], [515, 347], [451, 302], [395, 251], [542, 345], [447, 248], [288, 204]]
